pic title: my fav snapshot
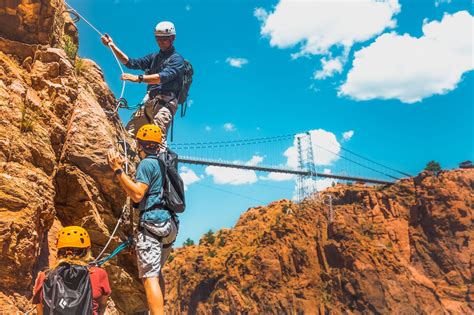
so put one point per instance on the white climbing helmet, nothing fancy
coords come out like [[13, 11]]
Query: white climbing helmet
[[165, 28]]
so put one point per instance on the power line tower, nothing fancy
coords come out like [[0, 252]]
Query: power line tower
[[305, 185]]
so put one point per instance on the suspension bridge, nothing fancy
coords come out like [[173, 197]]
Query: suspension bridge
[[308, 157]]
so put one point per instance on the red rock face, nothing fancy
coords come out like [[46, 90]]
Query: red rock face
[[54, 135], [403, 249], [32, 22]]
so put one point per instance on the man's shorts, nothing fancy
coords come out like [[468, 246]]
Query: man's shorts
[[149, 240]]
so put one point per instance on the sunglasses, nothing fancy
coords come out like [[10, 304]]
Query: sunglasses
[[162, 38]]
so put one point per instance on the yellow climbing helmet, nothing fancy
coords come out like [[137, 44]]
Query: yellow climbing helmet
[[73, 236], [151, 133]]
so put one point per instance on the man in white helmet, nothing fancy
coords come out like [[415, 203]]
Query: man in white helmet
[[163, 71]]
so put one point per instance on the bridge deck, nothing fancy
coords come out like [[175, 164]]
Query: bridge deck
[[196, 161]]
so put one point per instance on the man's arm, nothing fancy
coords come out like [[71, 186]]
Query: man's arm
[[136, 191], [169, 73], [173, 69], [148, 78], [107, 41]]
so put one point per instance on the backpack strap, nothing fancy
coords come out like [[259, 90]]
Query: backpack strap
[[183, 109], [53, 298], [163, 175]]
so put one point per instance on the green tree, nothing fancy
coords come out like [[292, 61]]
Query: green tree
[[221, 242], [433, 166], [70, 48], [466, 164], [208, 238], [188, 242]]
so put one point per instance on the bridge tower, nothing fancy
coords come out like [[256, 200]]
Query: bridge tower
[[305, 185], [300, 194], [311, 166]]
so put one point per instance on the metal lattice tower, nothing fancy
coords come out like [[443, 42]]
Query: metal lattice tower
[[311, 166], [300, 193], [305, 185]]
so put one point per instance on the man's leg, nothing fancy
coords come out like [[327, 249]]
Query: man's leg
[[154, 295], [162, 285], [138, 119], [149, 255], [163, 116]]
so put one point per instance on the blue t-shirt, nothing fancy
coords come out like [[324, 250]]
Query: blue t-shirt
[[149, 172]]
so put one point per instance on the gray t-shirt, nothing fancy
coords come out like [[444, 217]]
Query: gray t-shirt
[[149, 172]]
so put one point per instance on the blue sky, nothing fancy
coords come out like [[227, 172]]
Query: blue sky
[[395, 76]]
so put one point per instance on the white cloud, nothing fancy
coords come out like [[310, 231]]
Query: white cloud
[[410, 69], [314, 87], [208, 128], [278, 177], [318, 26], [320, 139], [437, 3], [236, 62], [231, 176], [346, 136], [330, 67], [255, 160], [229, 127], [189, 176], [322, 184], [261, 14], [316, 184]]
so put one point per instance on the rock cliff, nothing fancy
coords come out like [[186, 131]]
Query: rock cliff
[[403, 249], [54, 133]]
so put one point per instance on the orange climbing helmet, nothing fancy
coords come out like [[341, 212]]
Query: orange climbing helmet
[[149, 138], [73, 236], [150, 133]]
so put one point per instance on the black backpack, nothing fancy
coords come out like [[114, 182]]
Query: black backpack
[[172, 192], [186, 80], [67, 290]]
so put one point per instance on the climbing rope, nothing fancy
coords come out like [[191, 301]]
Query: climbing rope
[[31, 310], [121, 101], [116, 251]]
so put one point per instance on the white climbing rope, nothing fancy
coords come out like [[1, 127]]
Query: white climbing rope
[[119, 221], [113, 233], [101, 35]]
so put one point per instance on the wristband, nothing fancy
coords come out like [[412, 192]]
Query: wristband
[[140, 78], [118, 171]]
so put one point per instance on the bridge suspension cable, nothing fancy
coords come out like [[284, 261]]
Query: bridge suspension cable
[[245, 142]]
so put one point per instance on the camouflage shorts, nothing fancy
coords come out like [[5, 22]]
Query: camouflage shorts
[[151, 255]]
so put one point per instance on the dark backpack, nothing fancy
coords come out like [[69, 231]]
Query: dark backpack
[[186, 80], [172, 192], [67, 290]]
